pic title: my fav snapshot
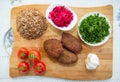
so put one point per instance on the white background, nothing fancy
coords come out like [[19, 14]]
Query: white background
[[5, 8]]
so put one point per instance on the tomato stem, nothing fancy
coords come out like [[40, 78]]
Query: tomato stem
[[32, 56], [22, 55], [21, 68], [38, 68]]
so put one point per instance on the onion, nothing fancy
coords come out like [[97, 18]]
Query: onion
[[61, 16]]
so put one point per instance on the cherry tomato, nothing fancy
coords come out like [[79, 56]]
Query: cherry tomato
[[34, 56], [23, 67], [23, 53], [39, 68]]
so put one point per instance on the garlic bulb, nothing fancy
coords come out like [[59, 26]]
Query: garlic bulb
[[92, 61]]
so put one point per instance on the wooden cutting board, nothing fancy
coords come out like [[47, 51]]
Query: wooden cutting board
[[54, 69]]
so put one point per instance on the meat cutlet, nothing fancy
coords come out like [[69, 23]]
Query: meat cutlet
[[67, 57], [53, 47], [71, 43]]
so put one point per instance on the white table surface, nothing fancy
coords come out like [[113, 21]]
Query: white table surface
[[5, 8]]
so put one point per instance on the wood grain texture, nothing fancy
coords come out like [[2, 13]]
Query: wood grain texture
[[54, 69]]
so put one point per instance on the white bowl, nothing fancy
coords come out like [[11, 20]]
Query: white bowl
[[106, 38], [70, 26]]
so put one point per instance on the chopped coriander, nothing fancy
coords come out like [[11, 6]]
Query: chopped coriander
[[94, 28]]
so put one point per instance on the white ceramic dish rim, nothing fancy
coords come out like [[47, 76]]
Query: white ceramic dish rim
[[106, 38], [70, 26]]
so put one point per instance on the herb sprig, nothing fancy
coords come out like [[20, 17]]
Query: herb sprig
[[94, 28]]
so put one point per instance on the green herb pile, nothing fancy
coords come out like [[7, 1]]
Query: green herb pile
[[94, 28]]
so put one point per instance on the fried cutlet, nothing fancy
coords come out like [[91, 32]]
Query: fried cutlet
[[71, 43], [67, 57], [53, 47]]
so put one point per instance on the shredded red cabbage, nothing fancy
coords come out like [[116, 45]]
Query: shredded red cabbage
[[61, 16]]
